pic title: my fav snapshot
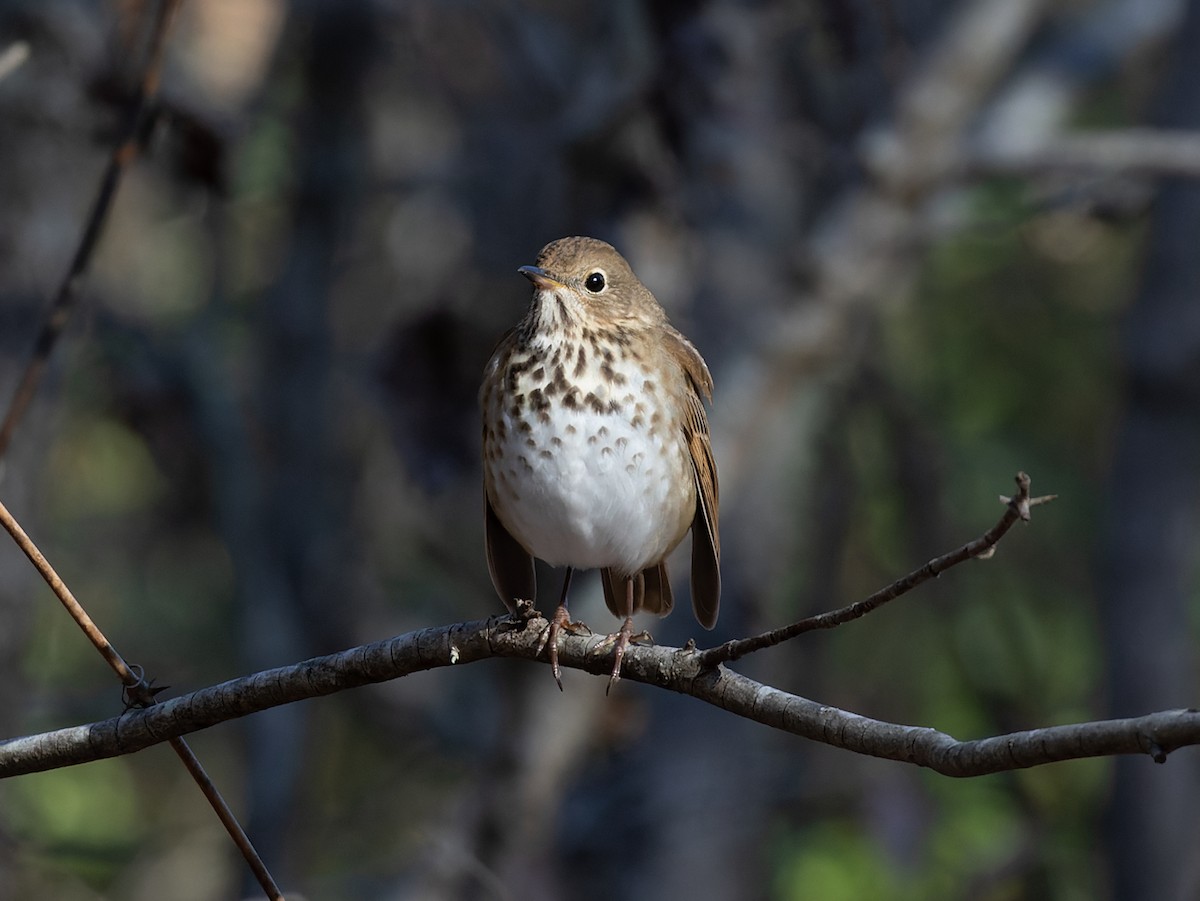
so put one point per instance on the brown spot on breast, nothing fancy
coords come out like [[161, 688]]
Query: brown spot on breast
[[571, 399], [512, 377], [606, 451], [603, 432], [545, 455], [638, 421], [570, 430], [556, 441], [537, 400], [538, 374], [559, 383], [580, 362], [523, 425], [621, 442], [529, 442], [648, 386]]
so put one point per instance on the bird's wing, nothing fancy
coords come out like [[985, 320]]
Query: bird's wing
[[509, 564], [706, 540]]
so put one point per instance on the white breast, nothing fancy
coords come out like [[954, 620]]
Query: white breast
[[589, 488]]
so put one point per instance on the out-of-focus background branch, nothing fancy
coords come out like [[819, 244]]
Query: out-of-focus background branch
[[257, 441]]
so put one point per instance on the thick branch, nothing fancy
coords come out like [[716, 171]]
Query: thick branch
[[675, 669]]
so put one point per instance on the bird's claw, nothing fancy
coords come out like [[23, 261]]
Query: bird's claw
[[621, 640], [559, 622]]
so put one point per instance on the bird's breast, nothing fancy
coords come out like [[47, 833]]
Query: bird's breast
[[584, 458]]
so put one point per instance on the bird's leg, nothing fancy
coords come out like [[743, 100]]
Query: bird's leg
[[559, 621], [622, 636]]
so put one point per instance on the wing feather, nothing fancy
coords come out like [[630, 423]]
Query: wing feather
[[509, 564], [706, 539]]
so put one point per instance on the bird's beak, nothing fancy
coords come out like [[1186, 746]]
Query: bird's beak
[[540, 278]]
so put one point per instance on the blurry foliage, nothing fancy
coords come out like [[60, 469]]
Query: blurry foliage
[[1007, 353], [86, 819]]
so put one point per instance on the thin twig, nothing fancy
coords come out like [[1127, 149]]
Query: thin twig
[[227, 818], [128, 675], [124, 153], [1015, 508], [142, 694], [138, 692]]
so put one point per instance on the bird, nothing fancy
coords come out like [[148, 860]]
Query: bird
[[596, 445]]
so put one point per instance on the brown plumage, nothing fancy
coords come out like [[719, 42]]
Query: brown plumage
[[596, 444]]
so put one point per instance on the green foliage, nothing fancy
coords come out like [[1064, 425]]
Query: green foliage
[[835, 863], [84, 818]]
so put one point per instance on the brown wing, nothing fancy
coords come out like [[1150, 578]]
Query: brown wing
[[706, 540], [509, 564]]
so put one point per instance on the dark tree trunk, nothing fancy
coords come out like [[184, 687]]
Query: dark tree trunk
[[1148, 564]]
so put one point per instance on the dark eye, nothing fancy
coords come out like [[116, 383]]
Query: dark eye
[[594, 282]]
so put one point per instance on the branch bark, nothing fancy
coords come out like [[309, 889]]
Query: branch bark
[[675, 669]]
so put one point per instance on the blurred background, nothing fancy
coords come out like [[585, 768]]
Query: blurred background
[[257, 441]]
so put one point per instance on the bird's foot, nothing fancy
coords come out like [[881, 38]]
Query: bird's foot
[[621, 640], [559, 622]]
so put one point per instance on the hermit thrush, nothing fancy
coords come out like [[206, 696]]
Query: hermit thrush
[[596, 450]]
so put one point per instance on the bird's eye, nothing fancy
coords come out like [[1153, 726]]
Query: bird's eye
[[594, 282]]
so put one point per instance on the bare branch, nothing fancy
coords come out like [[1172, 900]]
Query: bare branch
[[676, 669], [125, 151], [141, 693], [138, 691], [1016, 507], [1131, 151]]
